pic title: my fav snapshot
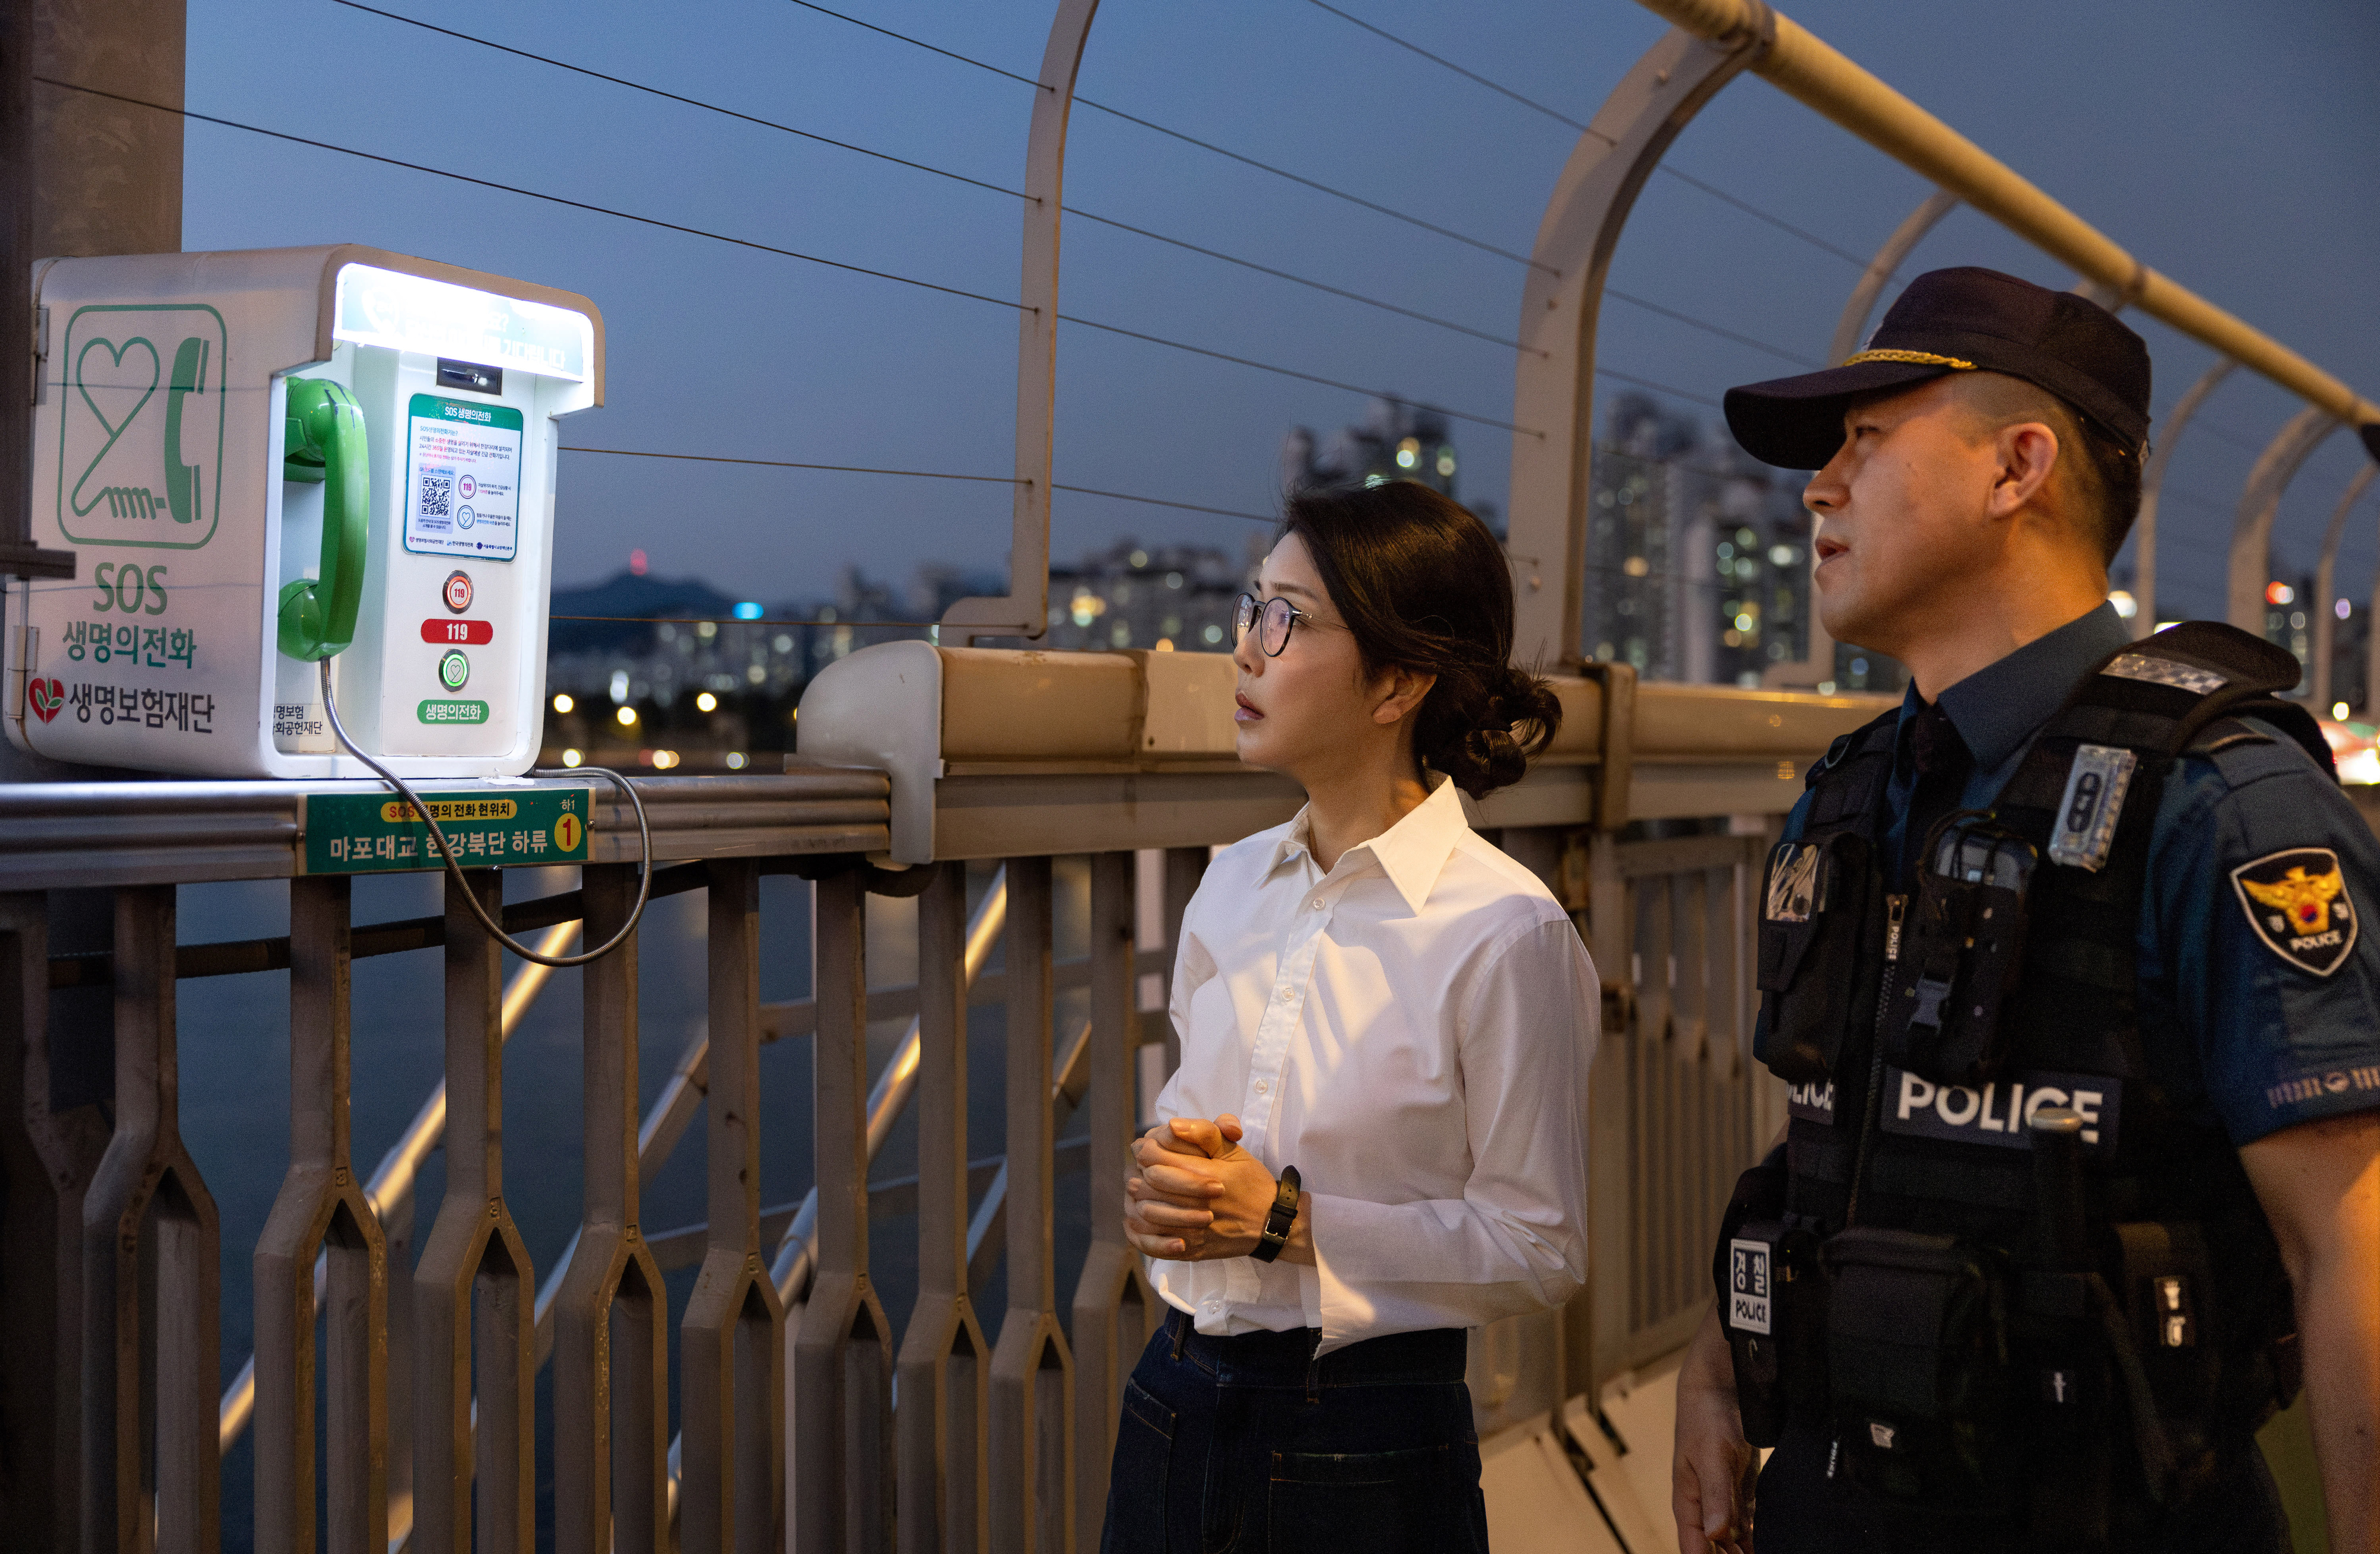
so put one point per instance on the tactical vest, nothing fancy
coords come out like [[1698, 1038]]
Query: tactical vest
[[1912, 1297]]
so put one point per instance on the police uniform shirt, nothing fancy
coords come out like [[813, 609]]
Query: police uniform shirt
[[2250, 939]]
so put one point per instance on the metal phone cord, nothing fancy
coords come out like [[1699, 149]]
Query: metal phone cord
[[644, 840]]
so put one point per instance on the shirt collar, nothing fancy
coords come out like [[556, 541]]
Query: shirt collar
[[1412, 853], [1996, 708]]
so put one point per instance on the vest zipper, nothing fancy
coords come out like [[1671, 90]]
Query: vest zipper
[[1895, 908]]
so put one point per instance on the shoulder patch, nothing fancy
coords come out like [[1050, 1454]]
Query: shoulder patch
[[2295, 901]]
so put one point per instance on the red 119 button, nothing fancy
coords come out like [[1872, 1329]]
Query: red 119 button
[[468, 632]]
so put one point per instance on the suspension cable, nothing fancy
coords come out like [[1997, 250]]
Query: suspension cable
[[1687, 179], [1077, 212], [765, 248]]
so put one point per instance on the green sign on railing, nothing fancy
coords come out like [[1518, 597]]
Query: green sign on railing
[[359, 833]]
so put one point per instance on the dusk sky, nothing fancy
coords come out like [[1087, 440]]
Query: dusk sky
[[2236, 148]]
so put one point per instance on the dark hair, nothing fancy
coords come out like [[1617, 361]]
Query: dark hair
[[2107, 475], [1422, 585]]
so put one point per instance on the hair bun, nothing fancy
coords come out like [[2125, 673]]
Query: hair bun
[[1486, 725]]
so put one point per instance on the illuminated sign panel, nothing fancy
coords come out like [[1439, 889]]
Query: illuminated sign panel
[[413, 313]]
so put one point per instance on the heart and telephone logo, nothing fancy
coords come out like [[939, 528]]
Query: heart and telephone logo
[[140, 425], [48, 698]]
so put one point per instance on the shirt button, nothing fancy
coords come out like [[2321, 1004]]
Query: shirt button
[[1285, 995], [1317, 904], [1262, 1087]]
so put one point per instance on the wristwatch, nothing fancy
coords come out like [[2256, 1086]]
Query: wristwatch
[[1275, 1234]]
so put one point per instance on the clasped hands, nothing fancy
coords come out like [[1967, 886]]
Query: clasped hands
[[1196, 1195]]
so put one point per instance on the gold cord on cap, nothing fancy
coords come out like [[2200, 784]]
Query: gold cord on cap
[[1921, 358]]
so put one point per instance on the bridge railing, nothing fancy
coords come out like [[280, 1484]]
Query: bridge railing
[[1649, 819]]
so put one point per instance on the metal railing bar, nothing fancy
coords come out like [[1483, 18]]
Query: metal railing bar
[[233, 958], [683, 1247], [666, 1122], [797, 1017], [797, 1252], [987, 1230], [392, 1181]]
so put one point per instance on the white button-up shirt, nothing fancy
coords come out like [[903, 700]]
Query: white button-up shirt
[[1412, 1030]]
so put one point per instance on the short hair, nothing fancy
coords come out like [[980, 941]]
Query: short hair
[[2104, 476]]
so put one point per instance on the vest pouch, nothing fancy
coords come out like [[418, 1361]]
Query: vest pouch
[[1765, 1273], [2167, 1297], [1961, 954], [1814, 900], [1917, 1368]]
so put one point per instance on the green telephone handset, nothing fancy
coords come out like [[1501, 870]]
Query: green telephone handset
[[182, 488], [324, 441]]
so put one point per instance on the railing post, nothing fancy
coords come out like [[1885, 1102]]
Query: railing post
[[2260, 502], [1024, 609], [842, 1373], [321, 1207], [944, 1356], [148, 1202], [1031, 1389], [1611, 1251], [46, 1162], [474, 1249], [2145, 527], [1561, 297], [732, 1478], [1113, 1302], [611, 1425], [2325, 598]]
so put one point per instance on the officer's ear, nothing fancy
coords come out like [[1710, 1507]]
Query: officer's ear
[[2025, 458]]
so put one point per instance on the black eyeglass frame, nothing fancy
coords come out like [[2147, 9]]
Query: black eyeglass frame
[[1248, 612]]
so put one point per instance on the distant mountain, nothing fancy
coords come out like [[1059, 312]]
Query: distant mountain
[[639, 598]]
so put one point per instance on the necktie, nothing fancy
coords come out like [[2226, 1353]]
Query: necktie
[[1943, 765]]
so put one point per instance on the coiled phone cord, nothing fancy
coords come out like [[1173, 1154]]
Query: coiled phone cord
[[644, 837]]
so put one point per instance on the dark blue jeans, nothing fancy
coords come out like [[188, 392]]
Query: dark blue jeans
[[1251, 1445]]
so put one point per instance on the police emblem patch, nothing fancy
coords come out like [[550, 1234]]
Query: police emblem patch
[[2296, 902]]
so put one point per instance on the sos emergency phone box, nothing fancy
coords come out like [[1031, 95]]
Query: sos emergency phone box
[[266, 458]]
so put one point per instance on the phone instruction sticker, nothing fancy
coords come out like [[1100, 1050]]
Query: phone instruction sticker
[[462, 479]]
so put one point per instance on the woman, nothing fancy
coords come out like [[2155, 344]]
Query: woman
[[1376, 1138]]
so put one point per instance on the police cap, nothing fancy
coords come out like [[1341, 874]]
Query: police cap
[[1965, 320]]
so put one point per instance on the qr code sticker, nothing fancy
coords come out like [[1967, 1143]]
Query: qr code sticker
[[435, 499]]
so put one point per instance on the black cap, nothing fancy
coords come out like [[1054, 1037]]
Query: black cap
[[1959, 321]]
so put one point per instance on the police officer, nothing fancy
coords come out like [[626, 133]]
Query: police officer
[[2063, 962]]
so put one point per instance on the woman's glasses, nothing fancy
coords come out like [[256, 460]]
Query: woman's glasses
[[1277, 616]]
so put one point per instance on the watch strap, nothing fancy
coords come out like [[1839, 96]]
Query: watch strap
[[1275, 1233]]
